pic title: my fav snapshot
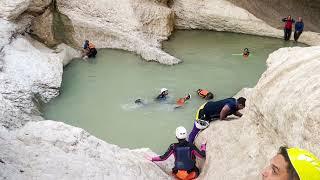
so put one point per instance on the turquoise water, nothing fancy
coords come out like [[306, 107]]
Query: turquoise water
[[99, 95]]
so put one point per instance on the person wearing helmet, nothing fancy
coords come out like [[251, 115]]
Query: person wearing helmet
[[214, 110], [205, 94], [246, 52], [292, 164], [184, 153], [163, 94], [182, 101]]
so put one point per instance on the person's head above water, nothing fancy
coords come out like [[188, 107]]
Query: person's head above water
[[188, 96], [164, 91], [241, 103], [246, 50], [292, 164], [181, 133]]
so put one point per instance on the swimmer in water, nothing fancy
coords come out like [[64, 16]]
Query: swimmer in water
[[163, 94], [246, 52], [181, 102]]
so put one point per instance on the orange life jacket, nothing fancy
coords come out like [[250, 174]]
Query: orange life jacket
[[184, 175], [203, 93], [181, 101], [91, 45]]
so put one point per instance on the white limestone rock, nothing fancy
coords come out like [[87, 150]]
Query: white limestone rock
[[221, 15], [31, 74], [282, 109], [54, 150], [133, 25], [10, 9]]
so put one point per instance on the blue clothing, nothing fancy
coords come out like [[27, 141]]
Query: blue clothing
[[85, 45], [299, 26], [212, 109]]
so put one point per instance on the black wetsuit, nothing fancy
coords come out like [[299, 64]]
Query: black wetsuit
[[184, 153], [161, 97]]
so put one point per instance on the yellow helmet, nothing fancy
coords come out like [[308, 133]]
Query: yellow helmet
[[305, 163]]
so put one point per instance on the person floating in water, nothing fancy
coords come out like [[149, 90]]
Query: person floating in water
[[211, 111], [205, 94], [182, 101], [89, 50], [288, 27], [184, 154], [246, 52], [163, 94]]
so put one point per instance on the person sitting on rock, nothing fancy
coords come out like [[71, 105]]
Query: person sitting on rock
[[214, 110], [182, 101], [205, 94], [184, 153], [163, 94], [292, 164], [89, 50]]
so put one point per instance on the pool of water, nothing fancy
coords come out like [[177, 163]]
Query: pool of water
[[99, 95]]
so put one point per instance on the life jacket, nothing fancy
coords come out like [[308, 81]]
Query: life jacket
[[288, 24], [203, 93], [184, 160], [91, 45], [184, 175], [181, 101]]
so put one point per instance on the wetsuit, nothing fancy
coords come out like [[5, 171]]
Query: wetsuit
[[298, 30], [92, 52], [287, 28], [210, 112], [184, 153], [161, 97]]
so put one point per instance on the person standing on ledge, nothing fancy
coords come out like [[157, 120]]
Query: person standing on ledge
[[184, 154], [288, 27], [299, 26], [292, 164], [214, 110]]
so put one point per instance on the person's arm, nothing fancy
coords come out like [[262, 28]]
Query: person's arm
[[166, 155], [284, 19], [237, 113], [224, 112], [199, 153], [302, 24]]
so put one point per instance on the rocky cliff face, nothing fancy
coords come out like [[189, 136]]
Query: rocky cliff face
[[278, 9], [221, 15], [282, 109]]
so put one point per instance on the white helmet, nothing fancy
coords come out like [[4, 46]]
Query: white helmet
[[163, 90], [181, 132], [201, 124]]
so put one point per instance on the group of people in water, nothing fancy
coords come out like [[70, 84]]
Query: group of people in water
[[288, 164], [299, 26]]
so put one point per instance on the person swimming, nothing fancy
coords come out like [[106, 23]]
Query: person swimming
[[163, 94], [246, 52], [205, 94], [181, 101]]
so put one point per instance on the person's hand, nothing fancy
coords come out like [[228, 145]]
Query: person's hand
[[203, 147]]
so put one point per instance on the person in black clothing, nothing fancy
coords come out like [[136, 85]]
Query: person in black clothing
[[184, 153], [299, 26], [163, 94], [287, 27]]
